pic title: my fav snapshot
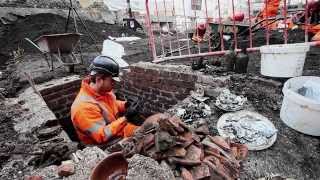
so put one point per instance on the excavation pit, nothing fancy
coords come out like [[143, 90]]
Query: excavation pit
[[150, 83], [163, 87]]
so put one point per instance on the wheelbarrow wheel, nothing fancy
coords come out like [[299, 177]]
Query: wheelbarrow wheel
[[215, 41]]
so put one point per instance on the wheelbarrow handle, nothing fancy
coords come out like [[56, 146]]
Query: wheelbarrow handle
[[34, 44]]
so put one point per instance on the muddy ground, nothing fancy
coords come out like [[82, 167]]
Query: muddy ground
[[293, 155], [33, 26]]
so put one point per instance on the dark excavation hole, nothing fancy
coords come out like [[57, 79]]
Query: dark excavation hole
[[52, 123], [67, 126]]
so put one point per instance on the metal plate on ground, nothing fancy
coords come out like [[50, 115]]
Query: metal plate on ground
[[228, 109], [230, 102], [250, 128]]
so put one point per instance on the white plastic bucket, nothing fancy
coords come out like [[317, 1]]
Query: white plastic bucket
[[286, 60], [297, 111]]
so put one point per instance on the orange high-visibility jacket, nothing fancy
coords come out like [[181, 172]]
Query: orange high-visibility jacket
[[94, 116], [270, 9]]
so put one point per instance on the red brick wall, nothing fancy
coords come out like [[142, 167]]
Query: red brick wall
[[59, 98], [158, 86]]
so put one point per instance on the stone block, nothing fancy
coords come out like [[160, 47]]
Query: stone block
[[66, 170], [194, 153], [38, 113], [33, 178], [200, 172], [185, 174], [177, 152]]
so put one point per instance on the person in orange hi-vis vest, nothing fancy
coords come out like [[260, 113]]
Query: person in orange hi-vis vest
[[94, 112], [270, 9]]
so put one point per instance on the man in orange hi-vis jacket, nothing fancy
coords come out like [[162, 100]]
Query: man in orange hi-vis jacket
[[270, 9], [94, 112]]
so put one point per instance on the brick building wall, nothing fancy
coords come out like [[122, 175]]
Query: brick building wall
[[158, 86], [60, 94]]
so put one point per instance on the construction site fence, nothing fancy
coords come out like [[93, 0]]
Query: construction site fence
[[171, 24]]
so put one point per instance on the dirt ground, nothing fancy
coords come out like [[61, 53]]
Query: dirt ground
[[34, 26], [7, 131], [293, 155]]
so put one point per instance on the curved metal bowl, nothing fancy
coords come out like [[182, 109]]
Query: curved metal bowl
[[113, 167], [251, 146]]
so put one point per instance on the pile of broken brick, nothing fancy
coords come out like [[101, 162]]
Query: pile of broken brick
[[191, 153]]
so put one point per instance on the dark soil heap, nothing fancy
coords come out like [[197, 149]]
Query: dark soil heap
[[20, 152], [12, 36]]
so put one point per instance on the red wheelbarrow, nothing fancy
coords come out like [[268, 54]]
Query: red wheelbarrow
[[58, 46]]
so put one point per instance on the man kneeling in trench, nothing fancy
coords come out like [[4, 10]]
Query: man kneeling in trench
[[95, 111]]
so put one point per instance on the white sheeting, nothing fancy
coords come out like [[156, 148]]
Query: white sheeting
[[124, 39], [115, 51], [115, 5]]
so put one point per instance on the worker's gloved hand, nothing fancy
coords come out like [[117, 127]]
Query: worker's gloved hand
[[133, 113], [127, 104]]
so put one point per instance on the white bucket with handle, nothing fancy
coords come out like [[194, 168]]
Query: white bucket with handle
[[301, 112], [286, 60]]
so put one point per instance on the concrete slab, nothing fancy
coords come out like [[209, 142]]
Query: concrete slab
[[36, 113], [57, 82]]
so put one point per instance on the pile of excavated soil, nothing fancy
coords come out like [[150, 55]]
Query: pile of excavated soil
[[275, 37], [264, 93], [9, 81], [20, 152], [13, 146], [146, 168], [7, 132], [34, 26]]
